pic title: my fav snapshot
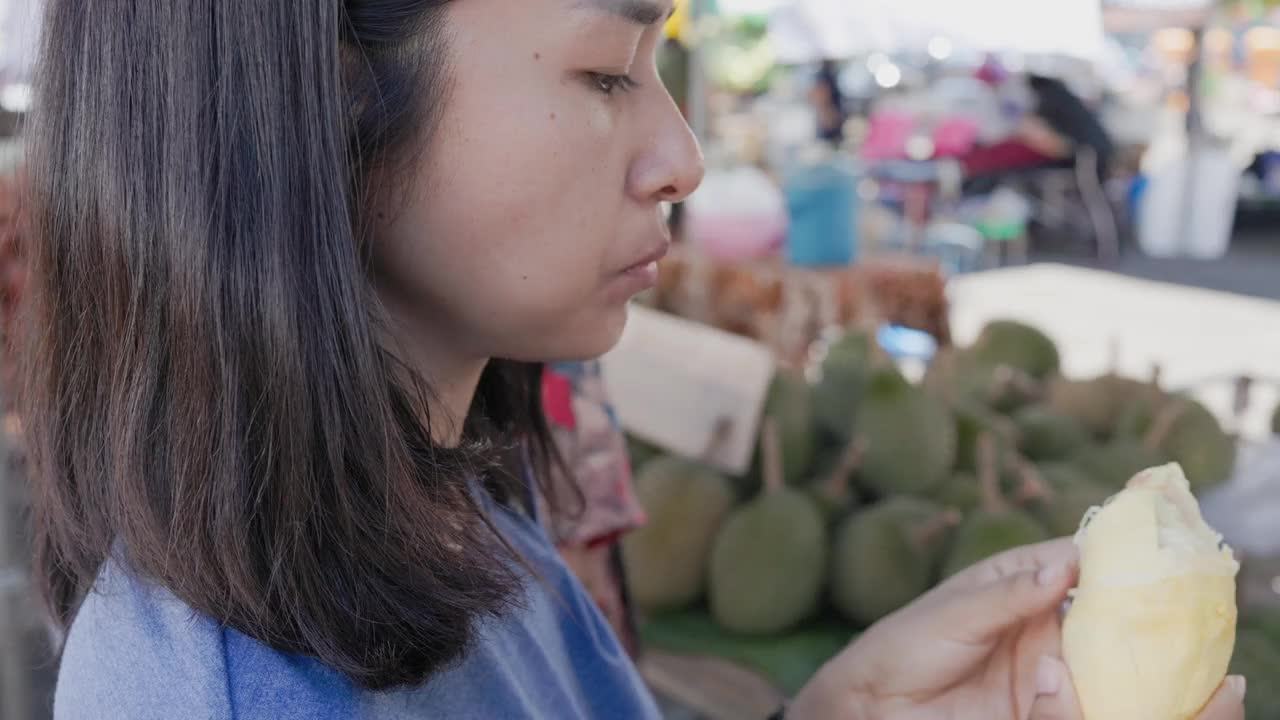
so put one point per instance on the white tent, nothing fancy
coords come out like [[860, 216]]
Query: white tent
[[1160, 5], [1031, 27], [1145, 15], [804, 30]]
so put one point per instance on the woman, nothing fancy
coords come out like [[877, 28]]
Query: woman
[[282, 247]]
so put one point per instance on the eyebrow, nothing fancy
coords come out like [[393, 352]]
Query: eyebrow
[[640, 12]]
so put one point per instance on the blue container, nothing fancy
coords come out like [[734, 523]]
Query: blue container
[[903, 343], [822, 205]]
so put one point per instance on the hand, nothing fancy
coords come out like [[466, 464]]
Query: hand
[[1057, 697], [970, 648], [1042, 138], [984, 644]]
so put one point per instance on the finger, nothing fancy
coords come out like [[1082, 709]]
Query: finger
[[1055, 695], [983, 612], [1023, 559], [1228, 703]]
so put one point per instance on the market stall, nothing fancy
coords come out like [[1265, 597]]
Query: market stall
[[894, 480], [916, 418]]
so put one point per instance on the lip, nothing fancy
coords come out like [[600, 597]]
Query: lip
[[640, 276], [652, 257]]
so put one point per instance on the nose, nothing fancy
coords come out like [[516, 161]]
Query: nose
[[669, 167]]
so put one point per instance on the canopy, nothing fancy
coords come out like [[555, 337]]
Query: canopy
[[1031, 27], [1128, 16], [749, 7], [1159, 5], [808, 30], [805, 30]]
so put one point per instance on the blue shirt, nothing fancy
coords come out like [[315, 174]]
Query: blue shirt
[[136, 652]]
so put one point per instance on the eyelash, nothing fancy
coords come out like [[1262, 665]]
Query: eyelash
[[610, 85]]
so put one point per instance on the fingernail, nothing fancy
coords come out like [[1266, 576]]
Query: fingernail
[[1050, 575], [1238, 685], [1048, 676]]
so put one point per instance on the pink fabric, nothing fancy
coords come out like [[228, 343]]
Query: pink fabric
[[887, 136], [557, 400], [592, 444], [738, 239], [954, 137], [889, 133], [1006, 156]]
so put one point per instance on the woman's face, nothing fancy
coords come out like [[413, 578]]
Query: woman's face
[[536, 213]]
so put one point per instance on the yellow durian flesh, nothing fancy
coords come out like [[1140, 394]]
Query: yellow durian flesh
[[1152, 622]]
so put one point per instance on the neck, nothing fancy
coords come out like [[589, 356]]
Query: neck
[[452, 374]]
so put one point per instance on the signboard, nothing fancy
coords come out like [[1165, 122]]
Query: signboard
[[690, 389]]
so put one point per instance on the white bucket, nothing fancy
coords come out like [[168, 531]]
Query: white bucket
[[1168, 227]]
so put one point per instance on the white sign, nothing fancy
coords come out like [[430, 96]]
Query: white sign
[[690, 389]]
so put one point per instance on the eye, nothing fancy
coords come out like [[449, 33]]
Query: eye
[[610, 85]]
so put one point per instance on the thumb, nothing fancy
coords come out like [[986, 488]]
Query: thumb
[[1055, 695], [1228, 703], [995, 607]]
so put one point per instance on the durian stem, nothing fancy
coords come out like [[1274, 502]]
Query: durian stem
[[1032, 485], [1008, 428], [837, 483], [1153, 394], [1010, 378], [933, 530], [1241, 396], [771, 446], [1164, 422], [989, 475]]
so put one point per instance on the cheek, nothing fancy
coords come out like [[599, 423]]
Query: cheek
[[536, 185], [511, 234], [518, 218]]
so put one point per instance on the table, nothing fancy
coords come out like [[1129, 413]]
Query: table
[[1102, 320], [708, 689]]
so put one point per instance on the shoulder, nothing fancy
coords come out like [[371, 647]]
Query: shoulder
[[136, 651]]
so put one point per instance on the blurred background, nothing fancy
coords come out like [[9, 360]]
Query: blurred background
[[1057, 222], [998, 255]]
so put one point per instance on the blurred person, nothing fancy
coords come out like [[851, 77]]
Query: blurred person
[[1052, 124], [1068, 123], [293, 287], [828, 101]]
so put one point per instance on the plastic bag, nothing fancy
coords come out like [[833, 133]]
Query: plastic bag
[[1246, 510], [737, 214]]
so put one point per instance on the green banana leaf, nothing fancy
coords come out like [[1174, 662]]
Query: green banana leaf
[[787, 661]]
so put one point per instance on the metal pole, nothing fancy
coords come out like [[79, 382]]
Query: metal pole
[[697, 76], [1195, 139]]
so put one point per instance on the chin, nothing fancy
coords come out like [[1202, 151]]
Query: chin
[[605, 335], [588, 340]]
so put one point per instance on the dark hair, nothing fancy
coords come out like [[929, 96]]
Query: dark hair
[[206, 390]]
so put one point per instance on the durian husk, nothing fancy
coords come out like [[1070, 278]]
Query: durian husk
[[1152, 623]]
